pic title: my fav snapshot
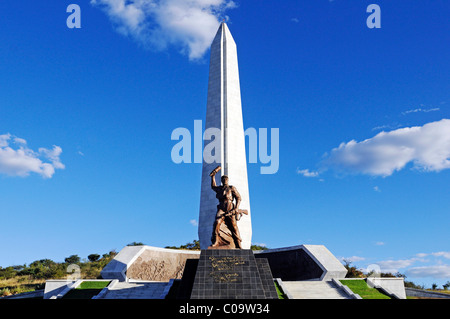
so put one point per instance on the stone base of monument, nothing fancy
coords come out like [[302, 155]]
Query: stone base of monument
[[304, 262], [230, 274]]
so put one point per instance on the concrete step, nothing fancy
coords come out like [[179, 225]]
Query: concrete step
[[313, 290], [136, 290]]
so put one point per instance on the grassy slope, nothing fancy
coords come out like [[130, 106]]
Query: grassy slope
[[25, 283], [361, 288]]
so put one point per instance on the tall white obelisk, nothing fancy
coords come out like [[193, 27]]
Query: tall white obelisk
[[224, 111]]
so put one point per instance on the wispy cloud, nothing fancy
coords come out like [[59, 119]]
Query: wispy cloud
[[17, 159], [193, 222], [387, 127], [421, 109], [189, 25], [394, 266], [445, 254], [434, 267], [353, 259], [418, 266], [307, 173], [436, 271]]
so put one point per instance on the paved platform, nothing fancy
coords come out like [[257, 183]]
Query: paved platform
[[313, 290], [136, 290]]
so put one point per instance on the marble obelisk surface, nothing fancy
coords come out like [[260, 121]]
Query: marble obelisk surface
[[224, 111]]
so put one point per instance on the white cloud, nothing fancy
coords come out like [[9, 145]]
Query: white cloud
[[353, 259], [393, 266], [19, 140], [377, 189], [307, 173], [193, 222], [418, 266], [16, 159], [380, 243], [445, 254], [186, 24], [426, 147], [437, 271]]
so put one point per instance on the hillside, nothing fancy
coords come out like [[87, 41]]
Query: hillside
[[24, 278]]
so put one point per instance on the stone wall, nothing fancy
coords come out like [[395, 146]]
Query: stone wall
[[158, 266], [411, 292], [148, 263]]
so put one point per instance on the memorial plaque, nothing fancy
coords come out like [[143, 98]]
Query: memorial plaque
[[229, 274]]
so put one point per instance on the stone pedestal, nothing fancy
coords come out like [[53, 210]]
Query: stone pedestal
[[232, 274]]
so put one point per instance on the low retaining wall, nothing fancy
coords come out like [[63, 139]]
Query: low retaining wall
[[37, 294], [412, 292], [392, 286]]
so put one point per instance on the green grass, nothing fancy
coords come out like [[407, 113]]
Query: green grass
[[361, 288], [93, 284], [280, 292], [86, 290]]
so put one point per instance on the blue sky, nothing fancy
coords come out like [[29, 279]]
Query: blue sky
[[86, 117]]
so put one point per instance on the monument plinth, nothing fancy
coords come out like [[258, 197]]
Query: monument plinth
[[232, 274]]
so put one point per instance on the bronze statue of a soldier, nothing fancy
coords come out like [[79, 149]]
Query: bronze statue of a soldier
[[228, 213]]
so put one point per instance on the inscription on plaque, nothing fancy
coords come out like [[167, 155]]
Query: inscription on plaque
[[228, 274], [223, 268]]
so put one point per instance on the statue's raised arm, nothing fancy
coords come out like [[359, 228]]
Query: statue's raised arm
[[213, 177]]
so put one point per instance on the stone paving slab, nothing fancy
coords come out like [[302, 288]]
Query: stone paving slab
[[136, 290], [313, 290]]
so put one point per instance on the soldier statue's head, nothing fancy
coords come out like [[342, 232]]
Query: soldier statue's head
[[224, 180]]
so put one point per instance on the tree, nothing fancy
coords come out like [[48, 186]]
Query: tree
[[195, 245], [446, 285], [73, 259], [434, 286], [7, 273], [42, 263], [111, 254], [135, 244], [93, 257], [258, 247], [410, 284], [352, 272]]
